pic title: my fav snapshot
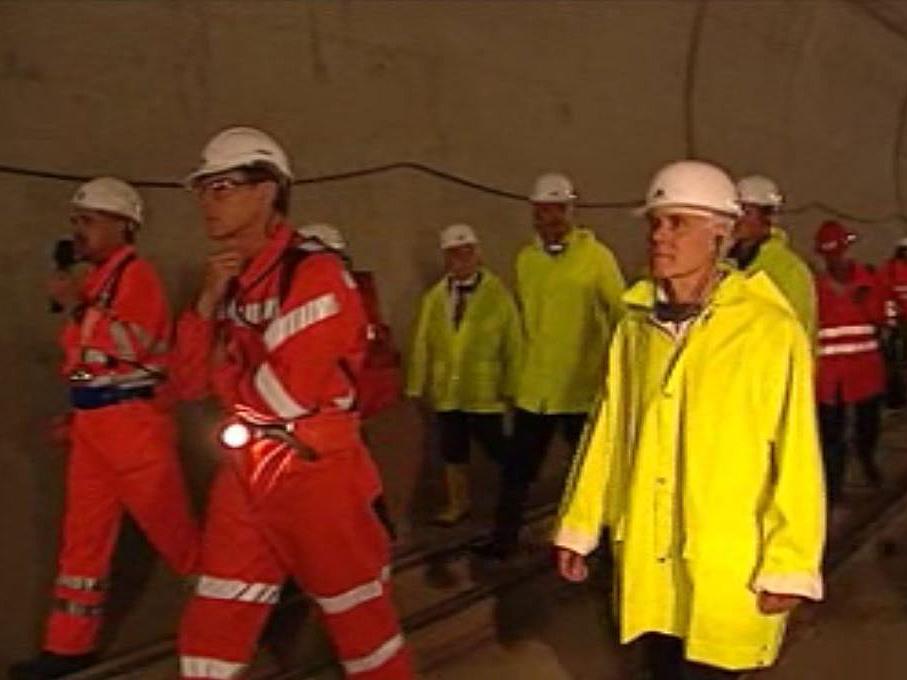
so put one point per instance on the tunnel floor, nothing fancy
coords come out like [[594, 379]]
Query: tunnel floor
[[546, 629]]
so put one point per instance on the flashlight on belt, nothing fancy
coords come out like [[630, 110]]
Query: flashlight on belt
[[238, 434]]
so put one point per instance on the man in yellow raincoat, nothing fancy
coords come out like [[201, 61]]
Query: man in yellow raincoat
[[568, 288], [465, 355], [703, 458], [761, 246]]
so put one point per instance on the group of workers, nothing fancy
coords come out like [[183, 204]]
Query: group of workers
[[689, 399], [278, 334]]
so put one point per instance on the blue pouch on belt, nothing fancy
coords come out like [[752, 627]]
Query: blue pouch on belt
[[87, 398]]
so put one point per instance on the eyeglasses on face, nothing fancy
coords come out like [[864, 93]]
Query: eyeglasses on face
[[219, 186]]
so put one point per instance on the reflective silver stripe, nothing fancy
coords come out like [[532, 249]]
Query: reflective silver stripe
[[77, 608], [146, 340], [237, 591], [256, 312], [839, 331], [82, 582], [274, 394], [352, 598], [94, 356], [121, 339], [376, 659], [345, 403], [207, 667], [297, 320], [848, 348]]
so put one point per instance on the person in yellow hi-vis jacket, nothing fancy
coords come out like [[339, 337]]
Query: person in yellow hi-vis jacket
[[762, 246], [703, 457], [568, 288], [465, 356]]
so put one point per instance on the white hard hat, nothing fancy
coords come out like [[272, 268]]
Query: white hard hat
[[458, 235], [692, 185], [553, 188], [111, 195], [328, 234], [239, 147], [759, 190]]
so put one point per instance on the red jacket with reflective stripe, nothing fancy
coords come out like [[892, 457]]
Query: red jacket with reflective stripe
[[280, 359], [112, 341], [895, 273], [850, 362]]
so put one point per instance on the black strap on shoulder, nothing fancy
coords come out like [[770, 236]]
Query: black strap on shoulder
[[109, 290], [294, 255]]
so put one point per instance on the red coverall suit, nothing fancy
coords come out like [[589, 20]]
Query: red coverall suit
[[123, 444], [895, 274], [285, 355], [850, 369]]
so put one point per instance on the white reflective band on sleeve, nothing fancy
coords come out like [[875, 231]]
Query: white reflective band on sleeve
[[345, 403], [274, 394], [291, 323], [206, 667], [236, 590], [849, 348], [121, 339], [840, 331], [94, 356], [146, 340], [81, 582], [376, 659], [353, 597]]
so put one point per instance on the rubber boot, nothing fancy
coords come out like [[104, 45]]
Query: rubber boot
[[457, 481]]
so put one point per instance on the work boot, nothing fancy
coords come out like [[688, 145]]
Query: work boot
[[48, 665], [456, 478]]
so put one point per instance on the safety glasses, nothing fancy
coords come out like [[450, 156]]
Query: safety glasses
[[219, 186]]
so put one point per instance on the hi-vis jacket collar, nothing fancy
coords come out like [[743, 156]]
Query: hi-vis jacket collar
[[98, 277], [274, 249], [642, 297], [572, 234]]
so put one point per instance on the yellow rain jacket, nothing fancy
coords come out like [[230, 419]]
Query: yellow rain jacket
[[703, 460], [792, 276], [473, 367], [570, 304]]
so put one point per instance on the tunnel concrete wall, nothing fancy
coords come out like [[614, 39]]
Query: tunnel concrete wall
[[810, 93]]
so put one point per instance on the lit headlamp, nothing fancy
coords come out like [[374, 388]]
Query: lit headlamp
[[238, 434], [235, 435]]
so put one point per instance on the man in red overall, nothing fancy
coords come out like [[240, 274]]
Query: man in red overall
[[122, 446], [278, 332], [894, 274], [851, 374]]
